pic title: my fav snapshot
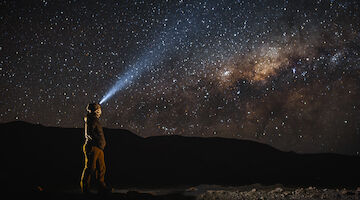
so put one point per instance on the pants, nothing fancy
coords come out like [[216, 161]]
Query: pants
[[94, 168]]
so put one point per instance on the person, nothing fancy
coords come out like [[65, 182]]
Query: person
[[94, 151]]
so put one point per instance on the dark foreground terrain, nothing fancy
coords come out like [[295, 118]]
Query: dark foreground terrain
[[132, 195], [44, 161], [205, 192]]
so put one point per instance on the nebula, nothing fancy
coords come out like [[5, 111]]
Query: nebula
[[267, 60]]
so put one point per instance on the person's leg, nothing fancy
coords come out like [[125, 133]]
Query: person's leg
[[101, 168], [89, 169], [85, 176]]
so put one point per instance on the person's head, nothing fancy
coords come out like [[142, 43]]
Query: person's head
[[94, 108]]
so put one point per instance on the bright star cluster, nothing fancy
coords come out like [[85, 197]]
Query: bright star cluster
[[285, 73]]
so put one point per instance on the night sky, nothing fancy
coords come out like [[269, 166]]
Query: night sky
[[284, 73]]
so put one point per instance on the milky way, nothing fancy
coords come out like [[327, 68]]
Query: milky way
[[285, 73]]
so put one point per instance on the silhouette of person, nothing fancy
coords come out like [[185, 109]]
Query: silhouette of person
[[93, 150]]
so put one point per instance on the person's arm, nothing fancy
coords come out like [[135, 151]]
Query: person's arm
[[87, 137]]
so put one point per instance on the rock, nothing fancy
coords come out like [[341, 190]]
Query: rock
[[277, 190], [343, 191], [287, 193], [192, 189], [298, 191]]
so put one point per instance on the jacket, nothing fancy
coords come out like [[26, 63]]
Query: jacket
[[94, 134]]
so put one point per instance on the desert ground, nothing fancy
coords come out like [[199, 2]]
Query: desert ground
[[258, 192], [217, 192]]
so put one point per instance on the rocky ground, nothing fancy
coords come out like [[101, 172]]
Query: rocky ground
[[213, 192], [309, 193]]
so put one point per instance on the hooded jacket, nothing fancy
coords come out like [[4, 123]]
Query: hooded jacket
[[94, 134]]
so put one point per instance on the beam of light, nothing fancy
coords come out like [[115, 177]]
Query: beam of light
[[152, 57], [143, 64]]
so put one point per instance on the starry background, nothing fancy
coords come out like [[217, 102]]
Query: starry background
[[284, 73]]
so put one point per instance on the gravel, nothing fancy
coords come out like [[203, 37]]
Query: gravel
[[310, 193]]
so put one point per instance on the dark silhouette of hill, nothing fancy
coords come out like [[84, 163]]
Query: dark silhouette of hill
[[52, 158]]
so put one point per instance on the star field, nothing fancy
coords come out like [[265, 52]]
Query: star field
[[285, 73]]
